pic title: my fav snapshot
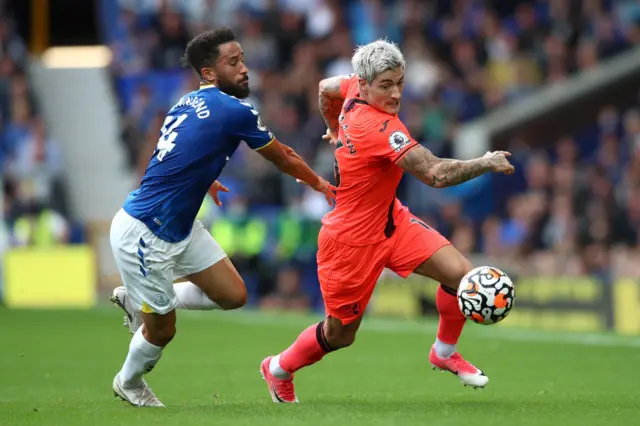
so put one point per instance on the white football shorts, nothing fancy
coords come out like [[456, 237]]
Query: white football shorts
[[149, 265]]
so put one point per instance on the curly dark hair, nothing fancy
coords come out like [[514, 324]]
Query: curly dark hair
[[203, 50]]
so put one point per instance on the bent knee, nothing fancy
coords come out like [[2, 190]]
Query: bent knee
[[160, 336], [340, 340], [236, 299], [457, 270]]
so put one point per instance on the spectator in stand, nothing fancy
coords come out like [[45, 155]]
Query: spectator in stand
[[574, 204]]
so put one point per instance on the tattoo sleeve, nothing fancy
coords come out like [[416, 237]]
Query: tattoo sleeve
[[330, 102], [441, 172]]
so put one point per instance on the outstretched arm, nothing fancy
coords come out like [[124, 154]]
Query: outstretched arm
[[288, 161], [444, 172], [330, 100]]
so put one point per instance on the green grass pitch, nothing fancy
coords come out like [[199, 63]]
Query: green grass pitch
[[56, 368]]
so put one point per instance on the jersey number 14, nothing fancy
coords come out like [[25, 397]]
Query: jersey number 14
[[168, 135]]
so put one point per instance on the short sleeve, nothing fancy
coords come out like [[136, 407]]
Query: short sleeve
[[346, 84], [249, 127], [393, 140]]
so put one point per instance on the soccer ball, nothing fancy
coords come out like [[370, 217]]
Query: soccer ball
[[486, 295]]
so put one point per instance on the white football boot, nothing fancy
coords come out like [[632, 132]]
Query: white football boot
[[132, 316], [142, 396]]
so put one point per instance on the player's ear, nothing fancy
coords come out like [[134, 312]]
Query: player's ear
[[362, 84], [208, 73]]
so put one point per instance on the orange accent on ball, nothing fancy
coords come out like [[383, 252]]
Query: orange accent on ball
[[472, 289], [494, 273], [477, 317], [500, 301]]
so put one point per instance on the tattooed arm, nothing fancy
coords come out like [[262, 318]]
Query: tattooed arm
[[444, 172], [330, 101]]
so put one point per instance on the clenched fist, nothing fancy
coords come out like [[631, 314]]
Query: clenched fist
[[498, 162]]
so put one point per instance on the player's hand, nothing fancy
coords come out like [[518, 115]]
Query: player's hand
[[325, 187], [498, 162], [331, 137], [214, 189]]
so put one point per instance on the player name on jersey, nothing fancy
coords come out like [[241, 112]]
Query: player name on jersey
[[197, 103]]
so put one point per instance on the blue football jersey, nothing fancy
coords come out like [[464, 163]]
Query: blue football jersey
[[199, 135]]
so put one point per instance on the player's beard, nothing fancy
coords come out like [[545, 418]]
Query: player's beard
[[237, 90]]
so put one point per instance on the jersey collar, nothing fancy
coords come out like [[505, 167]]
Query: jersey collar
[[207, 86], [351, 103]]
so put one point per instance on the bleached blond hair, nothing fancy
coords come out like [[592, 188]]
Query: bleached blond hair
[[374, 58]]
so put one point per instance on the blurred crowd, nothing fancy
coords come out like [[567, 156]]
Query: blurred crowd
[[572, 208], [34, 207]]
